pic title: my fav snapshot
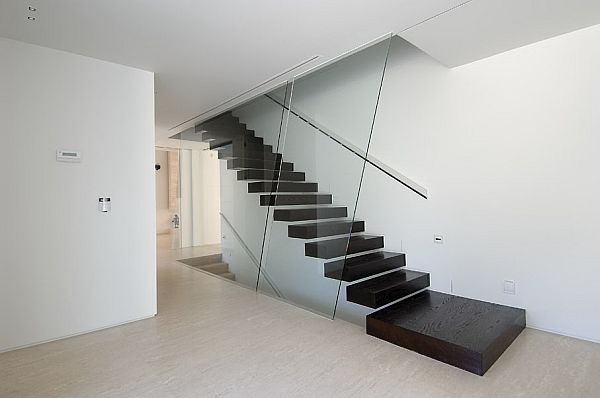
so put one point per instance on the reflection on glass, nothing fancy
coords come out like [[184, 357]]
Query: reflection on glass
[[326, 129], [290, 169]]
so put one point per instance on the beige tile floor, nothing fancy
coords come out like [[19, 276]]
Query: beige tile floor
[[213, 338]]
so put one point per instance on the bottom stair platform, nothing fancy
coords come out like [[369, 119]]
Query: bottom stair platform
[[468, 334]]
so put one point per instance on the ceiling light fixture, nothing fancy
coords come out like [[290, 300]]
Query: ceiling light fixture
[[31, 18]]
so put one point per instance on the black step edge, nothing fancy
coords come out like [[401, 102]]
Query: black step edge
[[363, 266]]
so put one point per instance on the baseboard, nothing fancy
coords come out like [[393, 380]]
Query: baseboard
[[75, 334], [573, 336]]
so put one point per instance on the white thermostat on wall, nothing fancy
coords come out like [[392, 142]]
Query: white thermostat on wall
[[68, 156]]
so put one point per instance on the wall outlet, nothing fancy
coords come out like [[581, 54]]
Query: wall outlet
[[509, 287], [439, 239]]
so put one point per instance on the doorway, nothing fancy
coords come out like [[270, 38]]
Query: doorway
[[188, 205]]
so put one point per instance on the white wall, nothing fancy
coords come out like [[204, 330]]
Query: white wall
[[506, 147], [206, 191], [200, 198], [67, 268]]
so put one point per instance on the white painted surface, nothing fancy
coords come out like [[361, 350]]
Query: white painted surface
[[481, 28], [206, 194], [205, 52], [506, 147], [186, 207], [200, 198], [67, 268]]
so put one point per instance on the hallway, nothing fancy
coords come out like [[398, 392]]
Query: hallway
[[213, 338]]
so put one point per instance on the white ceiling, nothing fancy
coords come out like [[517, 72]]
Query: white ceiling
[[482, 28], [205, 52]]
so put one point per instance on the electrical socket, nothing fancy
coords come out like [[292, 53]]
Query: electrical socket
[[509, 287]]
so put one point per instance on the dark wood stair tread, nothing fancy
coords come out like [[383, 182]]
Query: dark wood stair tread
[[270, 175], [217, 143], [324, 228], [295, 200], [384, 289], [313, 213], [282, 186], [338, 247], [227, 153], [234, 138], [363, 266], [242, 144], [243, 163], [469, 334], [224, 134]]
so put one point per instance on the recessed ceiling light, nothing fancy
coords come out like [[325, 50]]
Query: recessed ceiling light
[[31, 18], [32, 9]]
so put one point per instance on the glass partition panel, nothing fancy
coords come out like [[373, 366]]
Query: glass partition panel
[[220, 159], [324, 140]]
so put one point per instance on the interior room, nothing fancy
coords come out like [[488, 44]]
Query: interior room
[[220, 199]]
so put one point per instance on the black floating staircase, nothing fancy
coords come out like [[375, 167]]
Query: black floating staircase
[[466, 333]]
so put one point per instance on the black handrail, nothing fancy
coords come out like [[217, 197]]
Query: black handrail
[[313, 124]]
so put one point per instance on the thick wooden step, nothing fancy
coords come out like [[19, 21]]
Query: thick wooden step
[[218, 143], [324, 228], [218, 131], [242, 163], [282, 186], [341, 246], [238, 149], [469, 334], [217, 268], [222, 126], [269, 175], [315, 213], [384, 289], [238, 138], [204, 260], [226, 152], [224, 136], [363, 266], [269, 157], [228, 275], [293, 200], [242, 144]]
